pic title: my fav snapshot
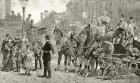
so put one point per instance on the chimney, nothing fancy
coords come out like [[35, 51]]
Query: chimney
[[41, 16], [46, 12]]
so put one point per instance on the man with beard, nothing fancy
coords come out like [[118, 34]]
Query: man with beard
[[47, 51]]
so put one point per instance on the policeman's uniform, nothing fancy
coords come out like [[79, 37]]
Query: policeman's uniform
[[47, 56]]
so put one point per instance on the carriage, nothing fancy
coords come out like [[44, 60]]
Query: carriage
[[124, 59]]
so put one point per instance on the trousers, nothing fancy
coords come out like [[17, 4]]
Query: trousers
[[47, 68], [38, 59]]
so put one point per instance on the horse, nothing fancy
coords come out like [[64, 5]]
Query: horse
[[64, 42], [60, 42], [88, 38], [69, 50]]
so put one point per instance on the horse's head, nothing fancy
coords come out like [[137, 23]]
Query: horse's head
[[84, 29]]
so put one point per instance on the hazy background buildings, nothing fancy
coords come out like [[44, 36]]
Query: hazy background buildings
[[65, 13]]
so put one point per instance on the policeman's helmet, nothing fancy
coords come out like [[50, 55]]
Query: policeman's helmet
[[47, 37]]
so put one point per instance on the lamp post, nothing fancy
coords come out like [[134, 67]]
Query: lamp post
[[23, 5]]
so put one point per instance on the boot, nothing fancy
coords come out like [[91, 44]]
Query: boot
[[49, 74], [45, 71]]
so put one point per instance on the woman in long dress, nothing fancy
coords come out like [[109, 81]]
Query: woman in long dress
[[8, 57]]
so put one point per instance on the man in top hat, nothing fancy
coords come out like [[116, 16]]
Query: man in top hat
[[122, 24], [131, 26], [47, 50], [131, 34]]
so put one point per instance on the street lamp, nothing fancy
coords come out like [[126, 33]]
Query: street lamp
[[23, 5]]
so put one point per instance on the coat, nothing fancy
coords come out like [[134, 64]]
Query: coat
[[47, 51]]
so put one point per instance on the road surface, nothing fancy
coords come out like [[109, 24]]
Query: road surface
[[57, 77]]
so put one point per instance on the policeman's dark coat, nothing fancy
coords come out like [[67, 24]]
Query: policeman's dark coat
[[47, 48]]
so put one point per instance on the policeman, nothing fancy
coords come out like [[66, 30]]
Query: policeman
[[47, 50]]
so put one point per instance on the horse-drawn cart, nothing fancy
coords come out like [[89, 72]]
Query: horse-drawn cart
[[124, 60]]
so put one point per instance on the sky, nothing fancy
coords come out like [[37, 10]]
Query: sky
[[35, 7]]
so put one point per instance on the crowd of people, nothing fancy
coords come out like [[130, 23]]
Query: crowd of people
[[18, 53]]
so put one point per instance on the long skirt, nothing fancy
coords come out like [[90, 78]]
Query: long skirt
[[7, 61], [29, 61]]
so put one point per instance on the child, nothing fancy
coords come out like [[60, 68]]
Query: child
[[28, 61]]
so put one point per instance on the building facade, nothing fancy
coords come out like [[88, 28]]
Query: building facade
[[5, 8], [85, 11]]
